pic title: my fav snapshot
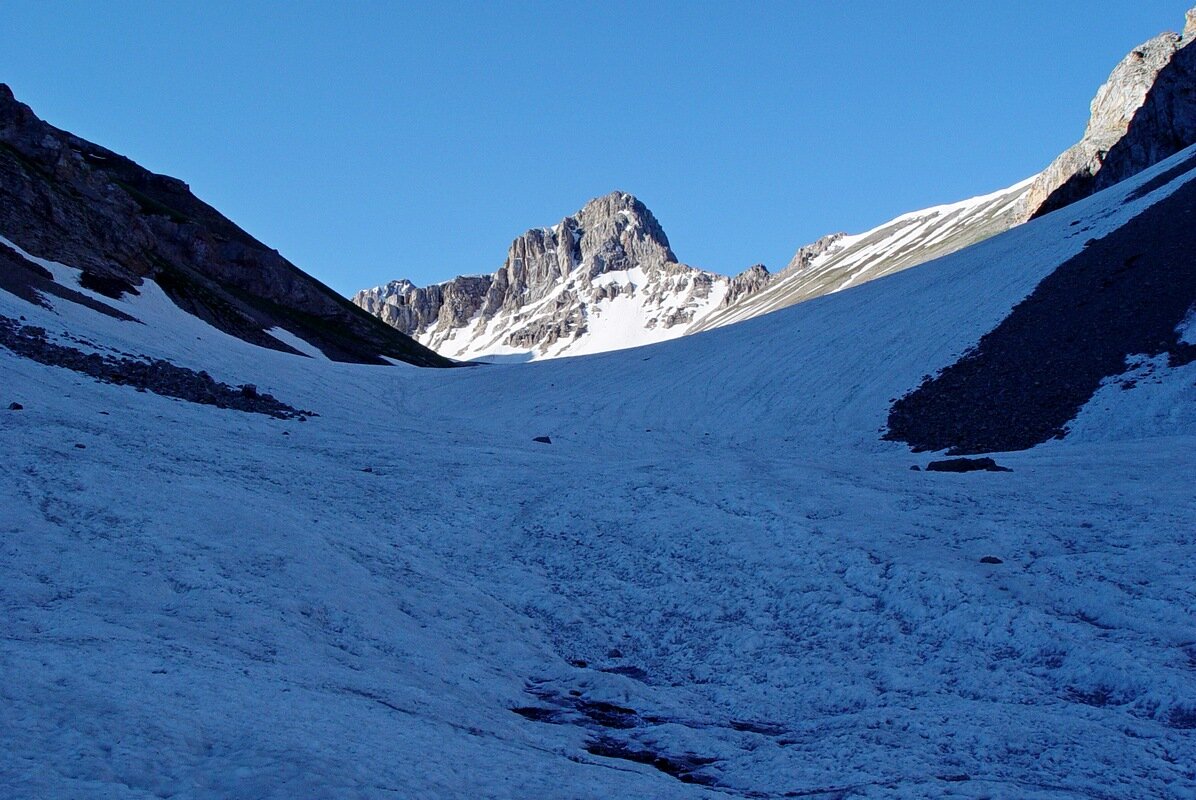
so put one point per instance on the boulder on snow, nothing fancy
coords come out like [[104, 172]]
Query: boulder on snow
[[991, 560], [966, 465], [542, 440], [15, 406]]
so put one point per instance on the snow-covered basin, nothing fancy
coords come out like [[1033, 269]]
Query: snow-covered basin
[[205, 603]]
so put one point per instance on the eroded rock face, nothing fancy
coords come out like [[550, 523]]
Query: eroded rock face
[[1164, 125], [72, 201], [411, 309], [1144, 113], [604, 274], [806, 254], [748, 282]]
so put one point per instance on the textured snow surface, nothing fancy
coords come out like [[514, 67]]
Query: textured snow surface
[[202, 603]]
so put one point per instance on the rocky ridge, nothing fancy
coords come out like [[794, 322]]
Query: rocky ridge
[[68, 200], [1144, 113], [839, 261]]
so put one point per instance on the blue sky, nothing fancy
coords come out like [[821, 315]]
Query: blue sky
[[372, 141]]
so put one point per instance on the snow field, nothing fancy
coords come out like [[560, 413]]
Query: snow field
[[203, 603]]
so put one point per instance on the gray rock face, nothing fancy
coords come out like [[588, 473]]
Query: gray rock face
[[1164, 125], [611, 233], [410, 308], [559, 287], [805, 255], [746, 283], [1142, 114], [72, 201]]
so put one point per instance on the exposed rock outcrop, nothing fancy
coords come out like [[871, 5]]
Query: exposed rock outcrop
[[69, 200], [1144, 113], [1124, 296], [748, 282], [412, 309], [601, 278], [145, 374], [806, 254]]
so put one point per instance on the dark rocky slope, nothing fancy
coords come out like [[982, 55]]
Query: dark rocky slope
[[68, 200], [1124, 294]]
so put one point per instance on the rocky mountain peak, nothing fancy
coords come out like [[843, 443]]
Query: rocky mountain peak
[[1148, 70], [621, 218], [555, 285], [610, 233]]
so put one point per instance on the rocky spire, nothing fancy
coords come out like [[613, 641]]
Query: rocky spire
[[610, 233], [1145, 77]]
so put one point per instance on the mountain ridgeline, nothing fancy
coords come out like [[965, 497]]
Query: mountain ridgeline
[[68, 200], [606, 277]]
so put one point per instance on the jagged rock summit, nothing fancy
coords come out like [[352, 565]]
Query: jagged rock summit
[[1145, 112], [68, 200], [600, 279]]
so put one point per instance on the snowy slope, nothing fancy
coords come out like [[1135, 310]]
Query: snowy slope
[[620, 309], [716, 559], [906, 241]]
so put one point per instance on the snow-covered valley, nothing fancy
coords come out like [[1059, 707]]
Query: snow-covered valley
[[715, 581]]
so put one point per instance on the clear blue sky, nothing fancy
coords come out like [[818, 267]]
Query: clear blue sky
[[372, 141]]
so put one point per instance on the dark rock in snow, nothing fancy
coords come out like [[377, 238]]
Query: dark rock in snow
[[1125, 295], [542, 440], [966, 465], [991, 560], [681, 767], [15, 406], [628, 670], [79, 446], [538, 714], [609, 715], [144, 374], [960, 778]]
